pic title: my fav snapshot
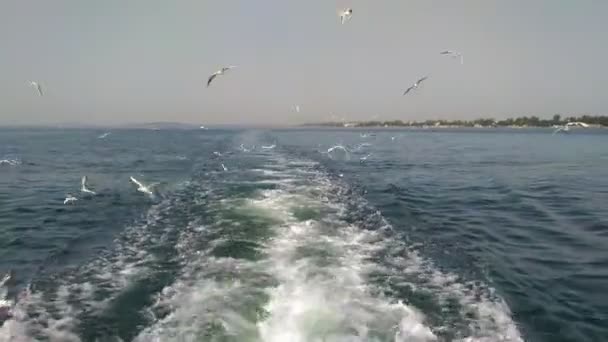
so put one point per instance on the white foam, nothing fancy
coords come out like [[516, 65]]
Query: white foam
[[57, 309], [320, 270], [329, 299], [311, 284], [335, 289]]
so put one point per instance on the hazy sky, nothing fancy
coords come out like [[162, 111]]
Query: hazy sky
[[125, 61]]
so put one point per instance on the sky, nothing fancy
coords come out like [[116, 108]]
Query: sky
[[121, 62]]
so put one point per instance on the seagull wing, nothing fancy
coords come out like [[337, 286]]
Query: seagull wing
[[136, 182], [408, 90], [83, 182], [211, 78], [39, 88], [421, 80]]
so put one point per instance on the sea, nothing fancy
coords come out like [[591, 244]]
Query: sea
[[297, 235]]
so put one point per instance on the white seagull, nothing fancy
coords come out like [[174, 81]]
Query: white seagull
[[338, 147], [242, 148], [220, 72], [37, 86], [453, 54], [358, 147], [296, 108], [345, 15], [578, 124], [103, 136], [415, 85], [69, 199], [224, 167], [11, 162], [83, 186], [565, 129], [5, 304], [363, 159], [141, 187]]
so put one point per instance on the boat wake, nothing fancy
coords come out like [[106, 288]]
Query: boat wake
[[289, 253]]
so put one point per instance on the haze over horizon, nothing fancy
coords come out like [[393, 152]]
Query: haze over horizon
[[117, 63]]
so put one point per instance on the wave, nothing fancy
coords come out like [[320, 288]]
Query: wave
[[306, 260]]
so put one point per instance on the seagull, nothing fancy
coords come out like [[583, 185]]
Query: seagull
[[242, 147], [453, 54], [83, 186], [37, 86], [358, 147], [224, 167], [345, 15], [565, 129], [220, 72], [296, 108], [11, 162], [103, 136], [5, 279], [578, 124], [141, 187], [5, 304], [415, 85], [338, 147], [364, 159], [69, 199]]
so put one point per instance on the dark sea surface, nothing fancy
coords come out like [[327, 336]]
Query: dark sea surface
[[447, 235]]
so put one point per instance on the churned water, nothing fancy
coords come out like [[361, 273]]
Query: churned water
[[476, 235]]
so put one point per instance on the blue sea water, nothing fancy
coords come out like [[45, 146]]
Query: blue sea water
[[446, 235]]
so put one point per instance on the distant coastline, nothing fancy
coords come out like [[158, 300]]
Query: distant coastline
[[519, 122]]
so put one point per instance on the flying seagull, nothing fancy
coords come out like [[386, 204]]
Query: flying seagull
[[453, 54], [364, 158], [69, 199], [296, 108], [220, 72], [11, 162], [142, 188], [345, 15], [243, 148], [103, 136], [338, 147], [83, 186], [578, 124], [224, 167], [5, 304], [565, 129], [37, 86], [415, 85]]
